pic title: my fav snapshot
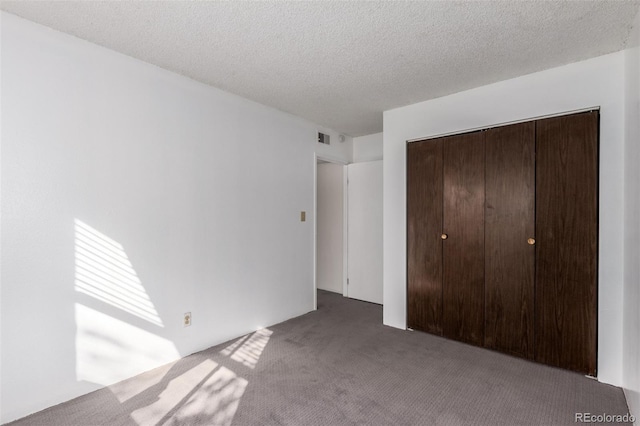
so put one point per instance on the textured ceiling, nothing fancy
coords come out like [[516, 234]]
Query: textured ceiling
[[340, 64]]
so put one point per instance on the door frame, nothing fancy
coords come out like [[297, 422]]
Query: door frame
[[597, 317], [345, 224]]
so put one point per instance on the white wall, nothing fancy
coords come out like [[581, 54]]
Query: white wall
[[631, 356], [1, 186], [367, 148], [596, 82], [177, 196], [336, 151], [330, 227]]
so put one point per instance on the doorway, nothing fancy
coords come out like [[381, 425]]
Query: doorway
[[331, 226]]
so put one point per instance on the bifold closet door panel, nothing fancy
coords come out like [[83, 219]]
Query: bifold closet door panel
[[424, 226], [566, 247], [509, 224], [463, 248]]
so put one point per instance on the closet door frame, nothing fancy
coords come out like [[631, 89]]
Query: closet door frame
[[592, 370]]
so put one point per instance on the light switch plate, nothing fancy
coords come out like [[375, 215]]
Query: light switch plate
[[303, 216]]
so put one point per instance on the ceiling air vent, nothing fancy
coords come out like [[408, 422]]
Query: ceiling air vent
[[322, 138]]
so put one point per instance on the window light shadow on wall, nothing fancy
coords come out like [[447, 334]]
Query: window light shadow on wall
[[247, 350], [113, 352], [109, 348], [104, 272]]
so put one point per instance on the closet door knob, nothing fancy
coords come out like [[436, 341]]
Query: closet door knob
[[444, 236], [531, 241]]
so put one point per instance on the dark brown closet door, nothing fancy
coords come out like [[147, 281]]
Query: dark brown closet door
[[463, 249], [566, 247], [509, 223], [424, 226]]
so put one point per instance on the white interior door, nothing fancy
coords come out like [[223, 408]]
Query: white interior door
[[365, 231]]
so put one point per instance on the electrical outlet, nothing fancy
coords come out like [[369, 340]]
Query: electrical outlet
[[187, 319]]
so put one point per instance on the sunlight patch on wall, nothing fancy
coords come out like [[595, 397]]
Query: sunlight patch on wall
[[109, 350], [248, 349], [104, 272]]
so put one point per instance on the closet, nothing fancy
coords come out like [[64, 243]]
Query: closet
[[502, 239]]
